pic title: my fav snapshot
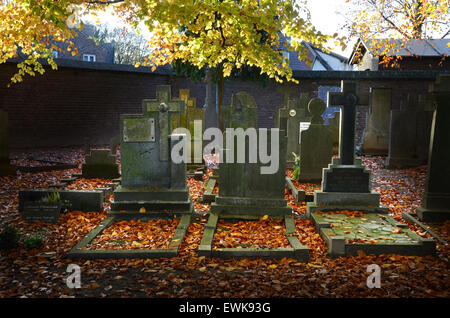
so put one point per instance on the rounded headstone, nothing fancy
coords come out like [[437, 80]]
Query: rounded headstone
[[316, 108]]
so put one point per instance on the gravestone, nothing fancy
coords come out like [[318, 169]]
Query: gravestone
[[150, 179], [298, 120], [192, 116], [409, 133], [376, 133], [316, 144], [242, 113], [101, 163], [5, 167], [346, 182], [243, 189], [436, 199]]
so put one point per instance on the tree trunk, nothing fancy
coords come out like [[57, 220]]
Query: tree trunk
[[219, 101]]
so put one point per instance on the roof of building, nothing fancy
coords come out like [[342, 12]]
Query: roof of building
[[416, 47]]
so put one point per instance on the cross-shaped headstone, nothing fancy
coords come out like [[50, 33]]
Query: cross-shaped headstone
[[348, 99], [164, 106]]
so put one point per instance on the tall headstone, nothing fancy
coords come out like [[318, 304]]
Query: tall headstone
[[409, 133], [211, 117], [316, 144], [188, 120], [5, 167], [150, 178], [244, 190], [346, 182], [298, 120], [376, 133], [436, 199]]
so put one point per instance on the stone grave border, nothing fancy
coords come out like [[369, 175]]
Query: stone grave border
[[299, 195], [297, 250], [338, 247], [171, 251], [208, 194]]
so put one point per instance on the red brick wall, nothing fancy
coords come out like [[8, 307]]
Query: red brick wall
[[62, 108]]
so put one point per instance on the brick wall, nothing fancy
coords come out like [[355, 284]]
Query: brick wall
[[62, 108]]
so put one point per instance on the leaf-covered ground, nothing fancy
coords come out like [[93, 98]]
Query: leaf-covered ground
[[42, 272]]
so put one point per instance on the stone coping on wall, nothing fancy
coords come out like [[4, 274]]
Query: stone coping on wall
[[332, 75]]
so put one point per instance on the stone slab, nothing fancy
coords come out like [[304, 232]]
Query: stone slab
[[371, 234], [147, 194], [297, 250], [86, 201]]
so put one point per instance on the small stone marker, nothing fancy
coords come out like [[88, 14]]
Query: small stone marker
[[5, 167], [346, 182], [376, 134], [409, 133], [243, 189], [150, 179], [436, 199], [298, 116], [101, 163], [316, 144]]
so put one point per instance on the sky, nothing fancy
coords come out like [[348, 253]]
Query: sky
[[324, 15]]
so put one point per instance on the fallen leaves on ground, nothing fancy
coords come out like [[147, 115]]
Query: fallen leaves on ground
[[268, 233], [42, 272], [136, 234]]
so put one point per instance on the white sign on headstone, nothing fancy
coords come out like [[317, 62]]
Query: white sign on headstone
[[304, 125]]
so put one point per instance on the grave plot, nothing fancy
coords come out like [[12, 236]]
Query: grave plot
[[302, 192], [152, 185], [146, 237], [349, 232], [271, 238], [246, 195]]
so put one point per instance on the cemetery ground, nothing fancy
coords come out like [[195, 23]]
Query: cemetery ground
[[41, 271]]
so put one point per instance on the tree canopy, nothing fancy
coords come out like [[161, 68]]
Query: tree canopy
[[229, 33], [383, 21]]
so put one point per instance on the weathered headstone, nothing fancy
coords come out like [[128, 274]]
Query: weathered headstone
[[101, 163], [316, 145], [192, 116], [436, 199], [242, 113], [298, 119], [409, 133], [334, 123], [346, 182], [376, 133], [243, 189], [150, 179], [5, 167]]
